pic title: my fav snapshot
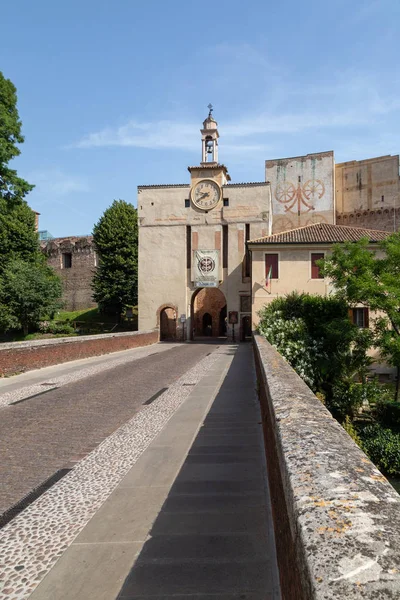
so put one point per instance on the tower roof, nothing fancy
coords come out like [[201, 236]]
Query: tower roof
[[210, 122]]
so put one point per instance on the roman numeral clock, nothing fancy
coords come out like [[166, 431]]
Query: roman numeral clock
[[206, 194]]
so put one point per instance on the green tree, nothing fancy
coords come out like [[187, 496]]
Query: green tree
[[28, 288], [12, 187], [116, 240], [362, 276], [28, 291], [18, 238], [316, 336]]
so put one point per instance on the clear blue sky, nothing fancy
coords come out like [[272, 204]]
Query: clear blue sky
[[112, 94]]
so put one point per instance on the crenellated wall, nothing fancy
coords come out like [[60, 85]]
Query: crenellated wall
[[76, 279], [385, 219], [336, 517]]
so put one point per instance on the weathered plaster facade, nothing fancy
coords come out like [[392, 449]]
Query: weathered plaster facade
[[302, 190], [368, 193], [294, 274], [74, 260], [172, 227]]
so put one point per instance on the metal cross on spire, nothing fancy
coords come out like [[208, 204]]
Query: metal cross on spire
[[210, 108]]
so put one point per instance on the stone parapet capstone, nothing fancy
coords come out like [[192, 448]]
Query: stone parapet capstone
[[336, 517], [17, 357]]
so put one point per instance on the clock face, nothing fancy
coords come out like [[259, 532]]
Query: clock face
[[206, 194]]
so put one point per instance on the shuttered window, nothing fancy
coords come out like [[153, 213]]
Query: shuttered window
[[271, 260], [360, 316], [315, 270]]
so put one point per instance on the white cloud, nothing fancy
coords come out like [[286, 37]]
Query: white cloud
[[184, 136], [54, 182], [271, 101]]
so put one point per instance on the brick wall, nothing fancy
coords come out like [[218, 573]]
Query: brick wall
[[211, 301], [76, 280], [19, 357]]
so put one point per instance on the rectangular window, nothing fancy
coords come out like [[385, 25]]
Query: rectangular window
[[271, 262], [226, 201], [315, 269], [67, 260], [245, 304], [187, 203], [360, 316], [247, 265], [224, 246], [188, 247]]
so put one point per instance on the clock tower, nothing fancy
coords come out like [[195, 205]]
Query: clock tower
[[208, 178]]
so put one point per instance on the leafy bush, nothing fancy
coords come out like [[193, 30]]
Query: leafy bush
[[290, 338], [346, 399], [351, 430], [316, 337], [56, 328], [383, 448], [387, 412], [349, 396]]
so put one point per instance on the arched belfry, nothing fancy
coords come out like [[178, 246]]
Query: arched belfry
[[209, 139]]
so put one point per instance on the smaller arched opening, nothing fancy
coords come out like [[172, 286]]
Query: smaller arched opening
[[167, 322], [208, 310]]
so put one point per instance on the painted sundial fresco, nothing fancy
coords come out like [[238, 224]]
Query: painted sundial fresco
[[302, 190]]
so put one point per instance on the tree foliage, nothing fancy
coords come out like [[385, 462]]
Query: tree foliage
[[28, 291], [116, 239], [12, 188], [28, 288], [372, 279], [317, 338]]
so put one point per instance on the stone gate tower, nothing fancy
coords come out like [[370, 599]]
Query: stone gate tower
[[193, 266]]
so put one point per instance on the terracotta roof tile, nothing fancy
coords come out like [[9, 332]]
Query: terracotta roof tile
[[322, 233]]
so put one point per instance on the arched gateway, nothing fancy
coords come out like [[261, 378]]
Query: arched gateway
[[167, 321], [208, 309]]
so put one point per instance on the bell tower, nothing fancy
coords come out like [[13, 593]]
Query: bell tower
[[209, 139], [209, 167]]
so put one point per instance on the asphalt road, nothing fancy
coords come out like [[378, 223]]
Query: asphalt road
[[42, 435]]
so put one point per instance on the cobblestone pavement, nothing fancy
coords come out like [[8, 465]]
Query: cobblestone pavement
[[34, 540], [43, 434]]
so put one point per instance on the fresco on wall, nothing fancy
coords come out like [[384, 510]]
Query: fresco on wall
[[302, 190]]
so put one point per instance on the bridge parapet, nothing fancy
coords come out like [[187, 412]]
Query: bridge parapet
[[337, 519]]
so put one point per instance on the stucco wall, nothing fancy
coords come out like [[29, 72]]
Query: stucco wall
[[302, 190], [367, 185], [164, 278], [294, 274]]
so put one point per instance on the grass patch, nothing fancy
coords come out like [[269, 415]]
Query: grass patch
[[90, 315], [86, 315]]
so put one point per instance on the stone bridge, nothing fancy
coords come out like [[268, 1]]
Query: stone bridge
[[195, 471]]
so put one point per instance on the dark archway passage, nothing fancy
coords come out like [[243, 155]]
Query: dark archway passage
[[167, 324], [207, 324], [208, 313], [246, 328]]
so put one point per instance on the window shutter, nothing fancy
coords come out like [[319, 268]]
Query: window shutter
[[351, 316], [366, 317], [271, 260], [315, 272]]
